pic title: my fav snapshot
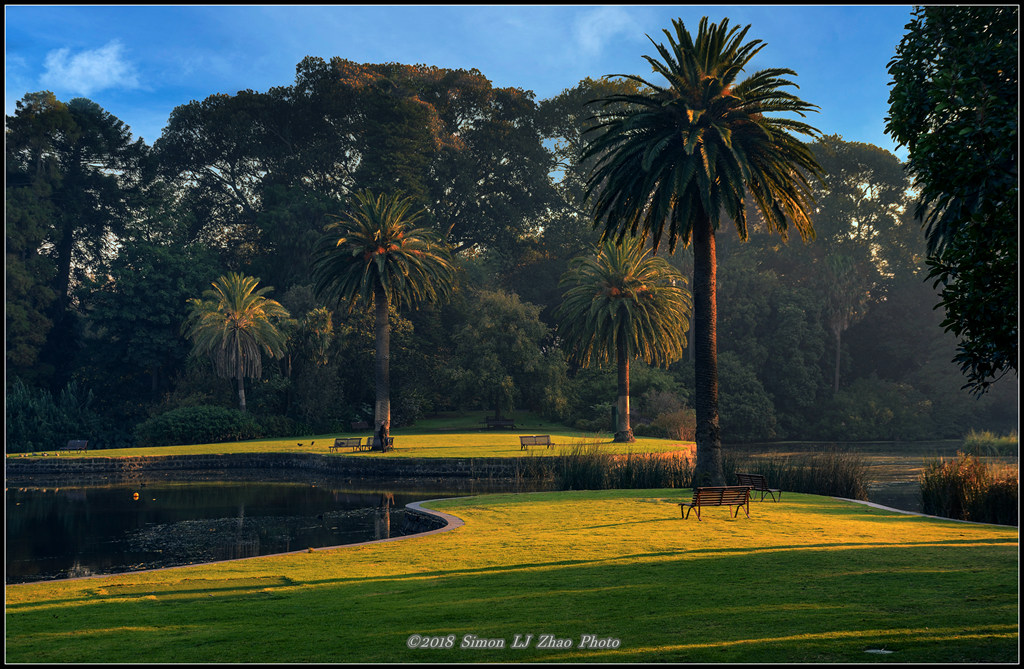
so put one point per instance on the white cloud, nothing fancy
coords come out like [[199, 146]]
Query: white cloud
[[594, 29], [89, 71]]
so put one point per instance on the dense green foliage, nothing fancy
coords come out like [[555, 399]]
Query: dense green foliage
[[197, 425], [98, 285], [38, 421], [954, 105]]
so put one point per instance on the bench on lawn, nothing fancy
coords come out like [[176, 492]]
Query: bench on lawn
[[500, 422], [728, 495], [75, 445], [349, 442], [389, 443], [759, 483], [535, 440]]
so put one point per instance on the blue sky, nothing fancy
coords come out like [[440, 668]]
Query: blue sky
[[140, 62]]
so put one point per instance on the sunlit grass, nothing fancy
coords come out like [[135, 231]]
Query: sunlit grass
[[456, 436], [807, 579]]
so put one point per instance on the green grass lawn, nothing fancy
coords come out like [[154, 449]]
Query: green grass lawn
[[454, 436], [808, 579]]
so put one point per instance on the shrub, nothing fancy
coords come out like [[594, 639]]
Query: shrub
[[680, 424], [197, 425], [38, 421], [965, 488]]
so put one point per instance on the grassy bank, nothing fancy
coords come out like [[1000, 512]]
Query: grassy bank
[[808, 579], [422, 441]]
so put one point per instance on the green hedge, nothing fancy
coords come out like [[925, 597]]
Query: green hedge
[[197, 425]]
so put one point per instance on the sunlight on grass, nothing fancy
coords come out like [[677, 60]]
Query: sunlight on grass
[[618, 563]]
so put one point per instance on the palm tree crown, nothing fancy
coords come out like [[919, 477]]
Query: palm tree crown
[[376, 247], [684, 153], [235, 324], [624, 294]]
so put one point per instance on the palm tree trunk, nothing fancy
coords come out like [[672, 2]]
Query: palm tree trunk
[[240, 370], [241, 391], [708, 468], [623, 430], [839, 334], [382, 373]]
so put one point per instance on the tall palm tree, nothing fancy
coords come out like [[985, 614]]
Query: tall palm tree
[[676, 157], [235, 324], [375, 253], [622, 304]]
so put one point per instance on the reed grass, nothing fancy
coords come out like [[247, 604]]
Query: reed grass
[[965, 488], [987, 443], [585, 466], [832, 472]]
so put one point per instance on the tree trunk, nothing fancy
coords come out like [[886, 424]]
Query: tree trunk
[[835, 385], [382, 373], [241, 391], [708, 468], [623, 430]]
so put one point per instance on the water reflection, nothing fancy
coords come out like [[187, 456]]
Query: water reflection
[[110, 526]]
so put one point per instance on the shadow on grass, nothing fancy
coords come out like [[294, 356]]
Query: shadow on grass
[[816, 604]]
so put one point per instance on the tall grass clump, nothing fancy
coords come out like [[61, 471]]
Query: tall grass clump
[[833, 472], [965, 488], [584, 466], [986, 443]]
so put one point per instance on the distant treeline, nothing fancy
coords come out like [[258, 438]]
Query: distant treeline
[[107, 238]]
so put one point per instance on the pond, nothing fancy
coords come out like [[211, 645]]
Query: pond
[[57, 530], [103, 525]]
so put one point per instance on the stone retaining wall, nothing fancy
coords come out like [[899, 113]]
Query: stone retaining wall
[[477, 468]]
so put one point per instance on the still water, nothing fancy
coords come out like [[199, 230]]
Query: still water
[[59, 530], [102, 526]]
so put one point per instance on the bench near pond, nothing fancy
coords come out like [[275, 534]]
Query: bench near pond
[[758, 483], [535, 440], [75, 445], [729, 495], [356, 443], [506, 423]]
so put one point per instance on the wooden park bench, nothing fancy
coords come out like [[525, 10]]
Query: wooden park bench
[[729, 495], [507, 423], [535, 440], [757, 482], [349, 442], [75, 445]]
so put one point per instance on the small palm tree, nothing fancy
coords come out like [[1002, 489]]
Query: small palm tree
[[621, 304], [671, 160], [235, 325], [374, 253]]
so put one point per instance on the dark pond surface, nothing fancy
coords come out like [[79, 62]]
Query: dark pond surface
[[97, 525], [61, 530]]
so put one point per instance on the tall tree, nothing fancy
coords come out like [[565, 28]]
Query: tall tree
[[846, 298], [235, 324], [953, 104], [624, 304], [679, 156], [73, 172], [376, 254]]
